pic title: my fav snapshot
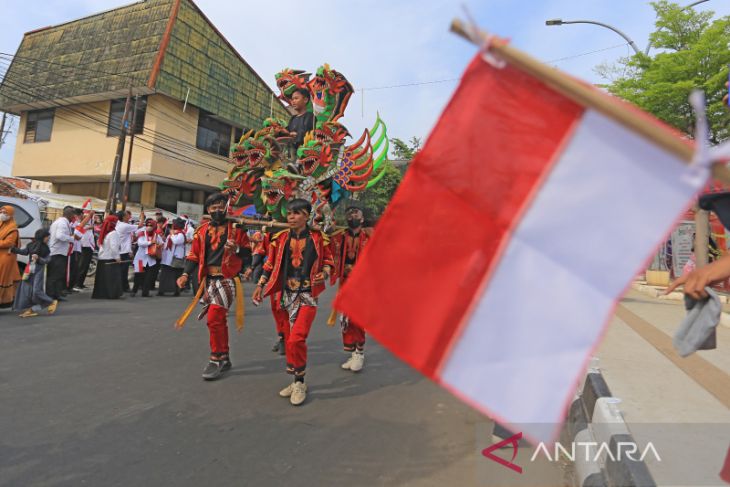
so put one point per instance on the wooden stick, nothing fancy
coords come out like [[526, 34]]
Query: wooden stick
[[591, 97], [266, 223]]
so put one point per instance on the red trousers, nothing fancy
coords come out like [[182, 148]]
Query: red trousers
[[281, 317], [295, 337], [218, 329], [725, 472], [353, 337]]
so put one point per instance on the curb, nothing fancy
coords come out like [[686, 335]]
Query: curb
[[594, 417]]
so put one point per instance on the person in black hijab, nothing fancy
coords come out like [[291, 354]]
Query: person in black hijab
[[31, 296]]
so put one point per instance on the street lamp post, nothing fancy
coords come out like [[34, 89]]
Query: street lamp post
[[601, 24]]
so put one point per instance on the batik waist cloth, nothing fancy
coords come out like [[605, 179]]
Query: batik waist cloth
[[220, 291], [292, 301]]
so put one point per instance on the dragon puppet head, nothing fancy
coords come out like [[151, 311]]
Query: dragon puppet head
[[242, 184], [273, 127], [314, 156], [276, 188], [288, 80], [330, 94], [238, 150], [331, 133], [258, 152]]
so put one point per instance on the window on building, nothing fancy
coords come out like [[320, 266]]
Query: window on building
[[213, 135], [38, 126], [116, 113], [168, 196], [237, 134], [135, 192]]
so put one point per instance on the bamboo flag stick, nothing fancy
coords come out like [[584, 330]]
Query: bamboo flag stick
[[588, 96], [266, 223]]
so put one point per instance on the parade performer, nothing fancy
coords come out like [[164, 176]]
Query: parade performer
[[149, 249], [262, 242], [298, 264], [347, 247], [218, 254]]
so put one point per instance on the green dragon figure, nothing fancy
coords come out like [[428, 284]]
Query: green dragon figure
[[330, 94], [314, 157], [269, 171], [288, 80], [277, 187]]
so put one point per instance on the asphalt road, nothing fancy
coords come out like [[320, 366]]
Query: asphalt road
[[107, 393]]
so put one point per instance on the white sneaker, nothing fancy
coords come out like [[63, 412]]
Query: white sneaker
[[358, 361], [286, 392], [348, 364], [298, 394]]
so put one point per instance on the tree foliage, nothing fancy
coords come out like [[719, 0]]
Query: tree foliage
[[693, 52]]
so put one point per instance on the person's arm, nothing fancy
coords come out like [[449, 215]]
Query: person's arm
[[115, 246], [19, 251], [43, 260], [143, 242], [178, 239], [191, 263], [696, 281], [60, 232], [10, 241]]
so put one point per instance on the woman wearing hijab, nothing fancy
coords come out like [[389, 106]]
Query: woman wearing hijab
[[106, 283], [9, 273], [31, 296], [173, 259]]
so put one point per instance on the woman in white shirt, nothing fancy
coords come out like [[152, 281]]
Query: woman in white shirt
[[173, 259], [107, 284], [145, 260]]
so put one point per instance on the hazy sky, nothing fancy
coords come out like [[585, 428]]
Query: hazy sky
[[381, 43]]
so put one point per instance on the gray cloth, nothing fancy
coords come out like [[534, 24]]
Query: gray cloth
[[697, 331]]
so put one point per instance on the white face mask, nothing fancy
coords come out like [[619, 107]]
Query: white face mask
[[4, 217]]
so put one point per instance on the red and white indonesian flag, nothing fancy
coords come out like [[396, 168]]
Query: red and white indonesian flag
[[496, 267]]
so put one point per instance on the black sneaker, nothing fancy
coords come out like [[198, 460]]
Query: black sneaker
[[226, 365], [276, 346], [215, 369]]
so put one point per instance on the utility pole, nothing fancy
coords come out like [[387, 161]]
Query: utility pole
[[117, 167], [702, 237], [125, 195], [2, 130]]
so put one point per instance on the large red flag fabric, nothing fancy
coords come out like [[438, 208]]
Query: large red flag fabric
[[483, 274]]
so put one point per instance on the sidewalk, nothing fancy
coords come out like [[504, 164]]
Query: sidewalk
[[680, 405]]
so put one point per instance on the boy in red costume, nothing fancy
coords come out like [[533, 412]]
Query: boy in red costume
[[298, 264], [347, 247], [218, 253]]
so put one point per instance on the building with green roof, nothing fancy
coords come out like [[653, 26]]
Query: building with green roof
[[195, 95]]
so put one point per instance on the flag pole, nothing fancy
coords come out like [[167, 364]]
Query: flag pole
[[588, 96]]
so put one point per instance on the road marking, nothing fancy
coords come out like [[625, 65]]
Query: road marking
[[711, 378]]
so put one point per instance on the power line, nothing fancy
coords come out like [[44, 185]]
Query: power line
[[172, 153], [586, 53], [73, 66]]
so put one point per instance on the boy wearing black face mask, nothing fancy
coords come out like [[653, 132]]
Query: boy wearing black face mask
[[218, 254], [347, 246]]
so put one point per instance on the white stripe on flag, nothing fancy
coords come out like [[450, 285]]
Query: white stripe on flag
[[609, 199]]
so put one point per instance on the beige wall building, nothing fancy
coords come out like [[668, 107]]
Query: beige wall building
[[195, 95]]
